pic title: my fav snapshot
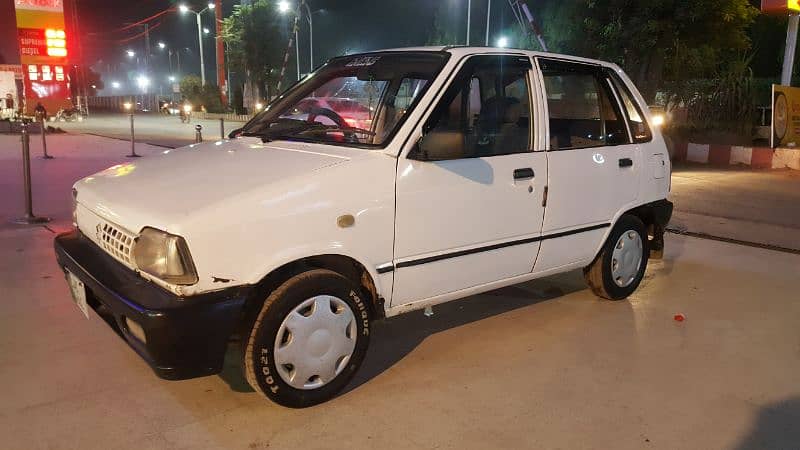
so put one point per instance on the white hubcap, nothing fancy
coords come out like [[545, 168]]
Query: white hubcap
[[626, 258], [315, 342]]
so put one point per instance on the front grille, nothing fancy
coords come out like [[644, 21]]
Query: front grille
[[116, 241]]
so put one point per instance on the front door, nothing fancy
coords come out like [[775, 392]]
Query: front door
[[469, 196]]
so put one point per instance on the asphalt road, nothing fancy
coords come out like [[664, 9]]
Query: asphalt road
[[148, 128]]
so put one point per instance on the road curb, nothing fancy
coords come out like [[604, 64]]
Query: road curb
[[728, 155]]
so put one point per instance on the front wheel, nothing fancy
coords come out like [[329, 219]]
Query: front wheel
[[308, 340], [619, 268]]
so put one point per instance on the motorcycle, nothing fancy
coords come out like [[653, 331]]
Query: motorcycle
[[186, 113], [68, 115]]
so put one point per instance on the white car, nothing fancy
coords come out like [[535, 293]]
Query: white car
[[480, 168]]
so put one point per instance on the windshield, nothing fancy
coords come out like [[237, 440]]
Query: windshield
[[357, 100]]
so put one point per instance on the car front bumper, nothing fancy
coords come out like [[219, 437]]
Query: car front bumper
[[185, 337]]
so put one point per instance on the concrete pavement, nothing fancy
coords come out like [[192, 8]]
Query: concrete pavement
[[755, 206], [538, 365]]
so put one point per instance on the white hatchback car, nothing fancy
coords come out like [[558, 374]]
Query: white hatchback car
[[475, 168]]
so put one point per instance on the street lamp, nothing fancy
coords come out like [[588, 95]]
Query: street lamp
[[284, 7], [502, 42], [142, 81], [185, 9], [131, 53], [162, 45], [115, 84], [206, 30], [171, 78]]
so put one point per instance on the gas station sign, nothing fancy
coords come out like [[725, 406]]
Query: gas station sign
[[781, 7], [43, 53]]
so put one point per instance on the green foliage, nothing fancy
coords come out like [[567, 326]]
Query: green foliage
[[255, 45], [200, 96], [653, 40]]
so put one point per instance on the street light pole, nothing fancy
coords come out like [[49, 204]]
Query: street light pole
[[200, 42], [469, 17], [488, 16], [310, 39]]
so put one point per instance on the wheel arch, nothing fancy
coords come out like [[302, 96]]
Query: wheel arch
[[344, 265]]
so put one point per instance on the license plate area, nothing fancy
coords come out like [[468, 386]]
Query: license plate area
[[78, 291]]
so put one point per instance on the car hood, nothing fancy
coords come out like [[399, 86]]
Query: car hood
[[163, 190]]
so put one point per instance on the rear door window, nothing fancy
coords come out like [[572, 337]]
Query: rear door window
[[583, 111]]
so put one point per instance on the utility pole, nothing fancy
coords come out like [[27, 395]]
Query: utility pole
[[146, 48], [222, 83]]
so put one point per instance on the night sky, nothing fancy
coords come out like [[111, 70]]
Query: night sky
[[339, 26]]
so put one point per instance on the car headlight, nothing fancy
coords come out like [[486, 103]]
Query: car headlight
[[164, 256]]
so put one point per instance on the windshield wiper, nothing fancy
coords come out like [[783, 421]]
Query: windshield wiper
[[280, 128], [322, 128]]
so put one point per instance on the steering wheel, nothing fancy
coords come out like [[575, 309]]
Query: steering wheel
[[326, 112]]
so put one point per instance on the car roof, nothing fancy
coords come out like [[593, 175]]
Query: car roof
[[460, 51]]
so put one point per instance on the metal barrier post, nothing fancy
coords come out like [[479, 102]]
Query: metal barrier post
[[222, 128], [44, 140], [198, 133], [28, 218], [133, 141]]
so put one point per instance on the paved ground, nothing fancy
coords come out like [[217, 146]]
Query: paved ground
[[758, 206], [76, 156], [149, 128], [538, 365]]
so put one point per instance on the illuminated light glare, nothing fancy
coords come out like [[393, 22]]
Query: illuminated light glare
[[206, 31], [502, 42], [142, 81], [171, 78], [56, 43], [54, 34], [284, 6], [56, 51], [187, 108], [162, 45], [115, 84], [127, 106], [211, 5], [259, 106], [183, 8], [131, 53], [658, 120]]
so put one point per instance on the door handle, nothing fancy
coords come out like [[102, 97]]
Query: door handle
[[625, 162], [524, 174]]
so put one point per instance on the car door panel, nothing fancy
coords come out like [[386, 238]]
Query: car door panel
[[472, 213]]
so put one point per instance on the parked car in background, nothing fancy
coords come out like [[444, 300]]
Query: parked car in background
[[385, 183]]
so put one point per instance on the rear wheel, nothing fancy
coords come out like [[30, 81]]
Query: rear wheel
[[619, 268], [308, 340]]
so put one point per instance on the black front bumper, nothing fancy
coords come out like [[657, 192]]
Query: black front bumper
[[186, 337]]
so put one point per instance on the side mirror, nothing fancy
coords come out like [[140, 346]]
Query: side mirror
[[439, 146], [235, 133]]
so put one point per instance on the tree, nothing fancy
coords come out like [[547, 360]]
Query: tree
[[201, 96], [653, 40], [255, 43]]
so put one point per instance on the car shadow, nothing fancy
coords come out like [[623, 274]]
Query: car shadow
[[394, 338], [775, 427]]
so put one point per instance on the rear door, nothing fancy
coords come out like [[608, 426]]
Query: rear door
[[469, 198], [592, 161]]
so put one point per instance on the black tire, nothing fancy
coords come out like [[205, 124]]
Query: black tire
[[598, 274], [259, 364]]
